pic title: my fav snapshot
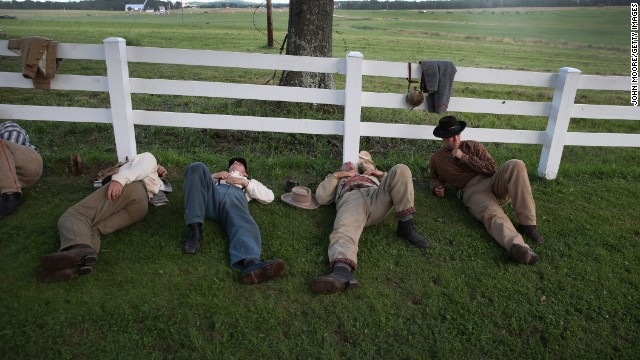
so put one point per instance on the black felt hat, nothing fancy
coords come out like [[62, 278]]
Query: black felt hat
[[241, 161], [448, 127]]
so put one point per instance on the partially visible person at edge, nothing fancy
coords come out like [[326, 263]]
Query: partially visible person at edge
[[483, 188], [363, 196], [223, 197], [20, 166], [121, 202]]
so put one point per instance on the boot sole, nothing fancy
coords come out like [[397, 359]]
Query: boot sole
[[47, 276], [524, 255], [266, 273], [191, 252], [331, 286], [69, 259]]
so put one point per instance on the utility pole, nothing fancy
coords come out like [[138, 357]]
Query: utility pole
[[269, 25]]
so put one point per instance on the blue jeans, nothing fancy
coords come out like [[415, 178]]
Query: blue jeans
[[226, 205]]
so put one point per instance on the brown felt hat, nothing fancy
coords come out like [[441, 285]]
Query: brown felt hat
[[300, 197]]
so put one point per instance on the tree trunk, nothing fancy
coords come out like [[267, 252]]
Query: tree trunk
[[310, 31], [269, 24]]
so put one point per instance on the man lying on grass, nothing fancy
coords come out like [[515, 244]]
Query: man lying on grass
[[483, 188], [20, 166], [121, 202], [223, 197], [363, 196]]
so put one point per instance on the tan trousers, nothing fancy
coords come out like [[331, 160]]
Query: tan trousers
[[93, 216], [20, 166], [364, 207], [483, 196]]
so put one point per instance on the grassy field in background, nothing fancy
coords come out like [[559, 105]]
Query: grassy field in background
[[463, 298]]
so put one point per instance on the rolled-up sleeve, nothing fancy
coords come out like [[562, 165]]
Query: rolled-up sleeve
[[326, 192], [140, 167], [256, 190]]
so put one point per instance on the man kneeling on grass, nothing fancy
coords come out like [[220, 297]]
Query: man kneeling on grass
[[223, 197], [121, 202], [363, 196]]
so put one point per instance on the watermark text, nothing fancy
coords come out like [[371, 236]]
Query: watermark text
[[633, 71]]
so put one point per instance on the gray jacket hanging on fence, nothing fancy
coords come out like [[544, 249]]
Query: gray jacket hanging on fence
[[39, 60], [437, 82]]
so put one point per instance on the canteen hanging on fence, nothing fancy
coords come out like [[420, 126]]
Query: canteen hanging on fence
[[414, 97]]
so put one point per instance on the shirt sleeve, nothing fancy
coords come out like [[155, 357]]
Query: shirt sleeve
[[256, 190], [140, 167], [479, 159], [326, 192], [435, 179]]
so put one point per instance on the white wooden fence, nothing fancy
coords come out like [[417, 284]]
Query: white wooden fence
[[123, 117]]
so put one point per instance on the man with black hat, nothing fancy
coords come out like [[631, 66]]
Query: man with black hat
[[483, 188], [223, 197], [363, 196]]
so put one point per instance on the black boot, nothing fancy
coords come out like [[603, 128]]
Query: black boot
[[192, 241], [408, 231], [9, 203], [339, 280]]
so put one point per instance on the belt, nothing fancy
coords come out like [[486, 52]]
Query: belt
[[348, 188]]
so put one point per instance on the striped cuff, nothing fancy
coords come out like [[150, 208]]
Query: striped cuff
[[406, 212], [349, 262]]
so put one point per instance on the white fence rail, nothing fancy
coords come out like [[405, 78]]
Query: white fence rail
[[123, 117]]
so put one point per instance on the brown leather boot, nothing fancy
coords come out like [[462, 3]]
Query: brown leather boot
[[523, 254], [531, 231], [67, 264], [339, 280], [256, 272]]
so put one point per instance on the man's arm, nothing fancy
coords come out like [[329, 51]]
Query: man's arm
[[141, 166], [256, 190], [435, 185], [326, 191], [478, 158]]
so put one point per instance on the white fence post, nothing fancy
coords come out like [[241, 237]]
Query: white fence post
[[558, 123], [120, 94], [352, 107]]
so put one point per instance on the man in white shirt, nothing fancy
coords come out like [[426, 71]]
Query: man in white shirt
[[120, 203], [223, 197]]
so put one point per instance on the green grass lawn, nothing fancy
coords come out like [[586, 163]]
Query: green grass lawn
[[462, 298]]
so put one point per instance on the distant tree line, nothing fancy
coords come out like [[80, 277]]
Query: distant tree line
[[114, 5], [471, 4], [119, 5]]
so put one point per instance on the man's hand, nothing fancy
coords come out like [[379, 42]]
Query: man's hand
[[376, 173], [439, 191], [341, 174], [224, 175], [162, 172], [231, 180], [115, 190], [457, 153]]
